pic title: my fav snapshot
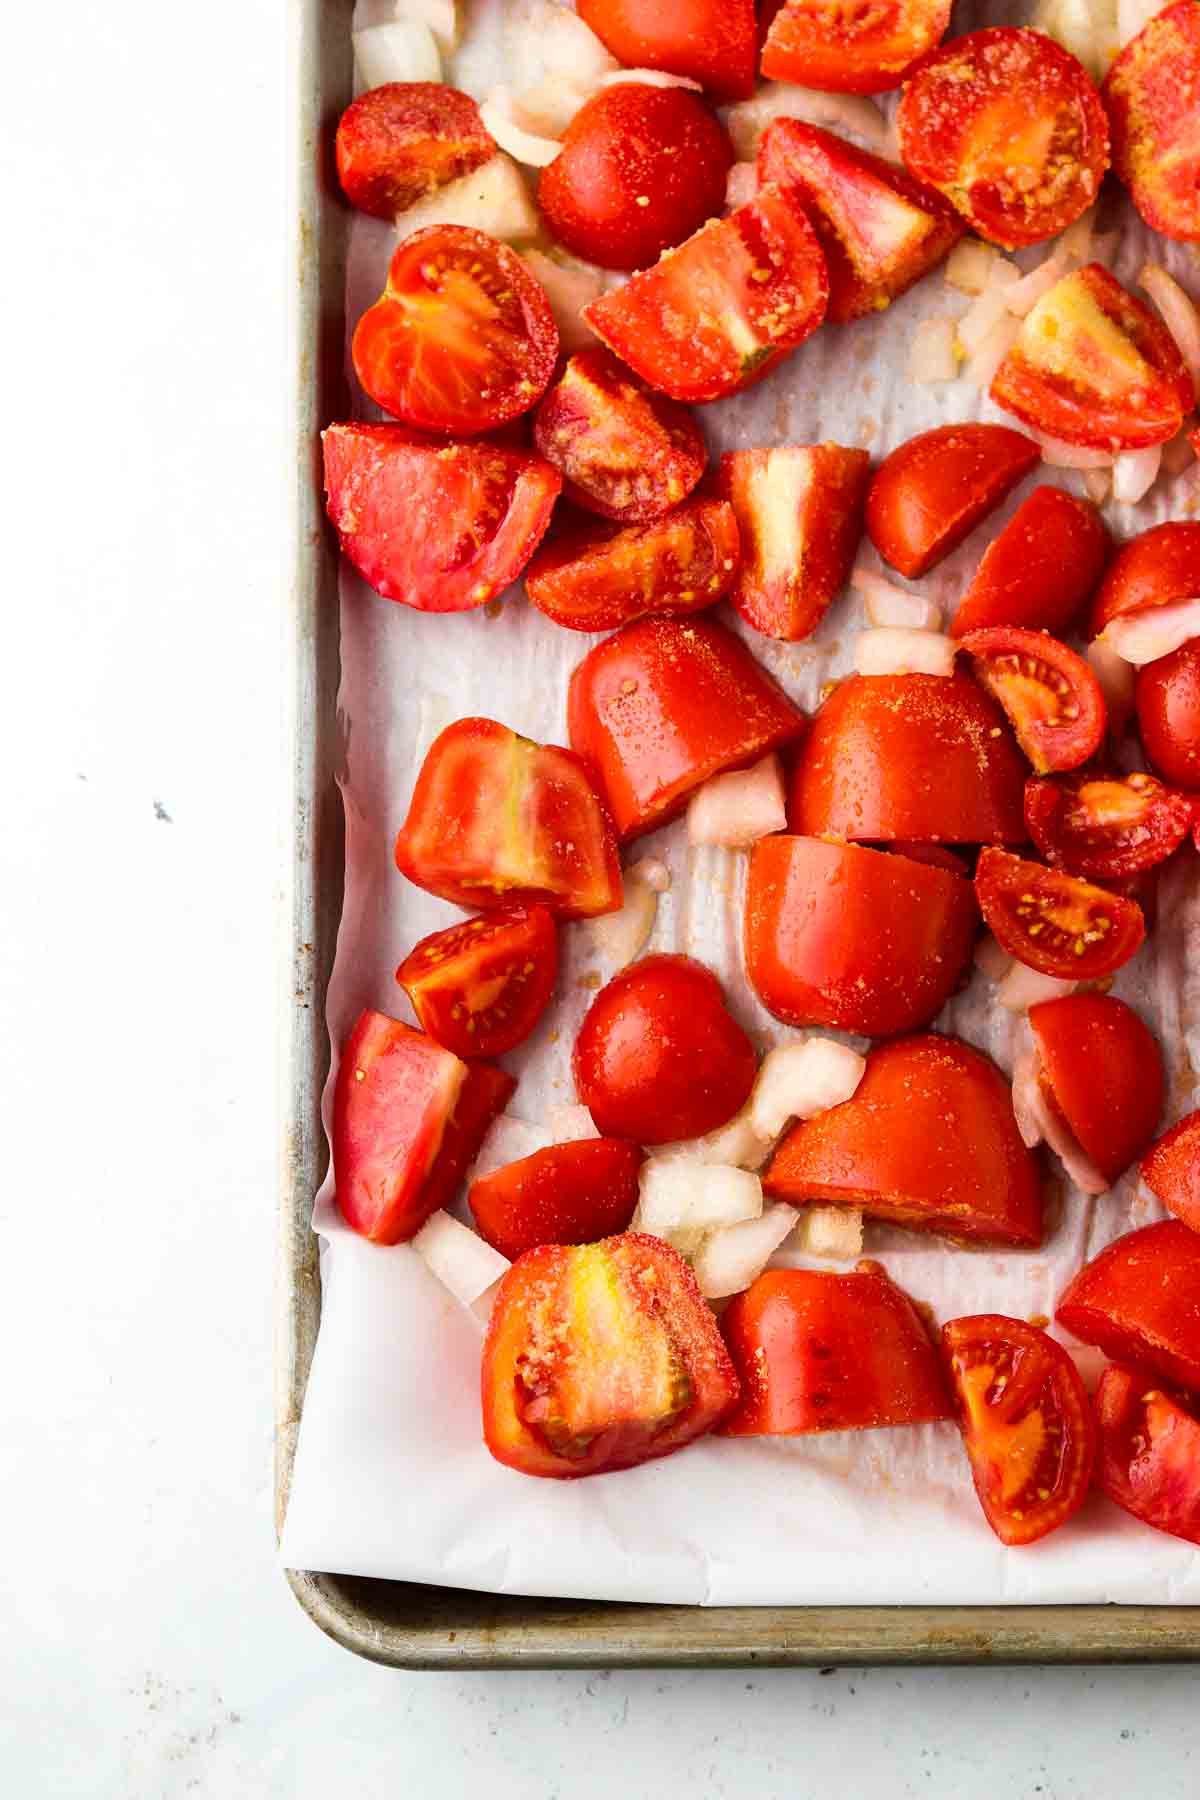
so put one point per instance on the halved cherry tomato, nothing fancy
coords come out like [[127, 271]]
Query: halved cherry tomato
[[1103, 1072], [799, 512], [909, 756], [663, 705], [625, 451], [600, 1356], [839, 935], [928, 1141], [659, 1056], [1150, 94], [815, 1351], [1093, 366], [640, 169], [1054, 703], [723, 309], [569, 1194], [481, 986], [852, 46], [1167, 698], [1040, 569], [1156, 568], [1105, 826], [403, 140], [483, 512], [932, 491], [1149, 1455], [495, 818], [462, 338], [1027, 1423], [408, 1120], [881, 231], [1171, 1170], [713, 41], [596, 577], [1053, 922], [1139, 1300]]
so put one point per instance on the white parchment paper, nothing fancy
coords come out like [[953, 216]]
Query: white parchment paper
[[391, 1476]]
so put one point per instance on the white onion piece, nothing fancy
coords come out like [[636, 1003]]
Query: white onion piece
[[931, 353], [728, 1261], [736, 1144], [568, 290], [492, 198], [523, 146], [986, 311], [619, 937], [796, 1081], [1038, 1123], [1061, 455], [1117, 678], [567, 1124], [969, 266], [831, 1231], [653, 871], [1074, 25], [1179, 315], [1022, 987], [442, 18], [547, 107], [570, 49], [509, 1140], [401, 50], [890, 605], [1024, 295], [1133, 16], [650, 78], [991, 958], [458, 1257], [1142, 637], [1097, 485], [855, 114], [1135, 473], [741, 184], [980, 367], [1026, 1099], [738, 808], [1179, 454], [482, 1308], [688, 1197], [896, 650]]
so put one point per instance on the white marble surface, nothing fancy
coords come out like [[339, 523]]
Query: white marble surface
[[150, 1647]]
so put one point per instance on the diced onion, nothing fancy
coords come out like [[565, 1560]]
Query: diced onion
[[653, 871], [509, 1140], [1133, 16], [1179, 315], [796, 1081], [969, 266], [547, 107], [736, 1144], [980, 367], [1097, 485], [890, 605], [992, 958], [831, 1231], [442, 18], [1074, 24], [526, 147], [675, 1196], [567, 1124], [931, 354], [492, 198], [1179, 454], [1061, 455], [728, 1261], [1142, 637], [401, 50], [1024, 295], [570, 50], [458, 1257], [482, 1308], [1117, 679], [650, 78], [618, 937], [1135, 473], [1022, 987], [857, 115], [738, 808], [986, 311], [1038, 1123], [741, 184], [1076, 241], [568, 290], [896, 650]]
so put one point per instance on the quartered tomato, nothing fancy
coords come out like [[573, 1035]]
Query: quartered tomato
[[931, 492], [815, 1351], [408, 1120], [1053, 700], [483, 512], [852, 46], [1009, 127], [495, 819], [403, 140], [1040, 569], [569, 1194], [928, 1141], [1156, 568], [600, 1356], [881, 231], [1139, 1300], [1103, 1072], [723, 309], [715, 42], [481, 986], [1151, 94], [462, 338], [799, 512], [1167, 698], [1093, 366], [1149, 1450], [624, 451], [1106, 826], [839, 935], [1171, 1170], [1026, 1422], [1054, 922], [595, 577], [663, 705]]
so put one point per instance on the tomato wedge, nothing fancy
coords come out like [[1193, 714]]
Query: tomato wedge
[[1150, 95], [1053, 922], [1167, 699], [1171, 1170], [1104, 1073], [1054, 703], [1026, 1421], [1139, 1300], [462, 338], [799, 512], [852, 46], [1157, 568], [1149, 1454], [715, 42], [406, 139], [931, 492], [1040, 569], [595, 577], [481, 986], [569, 1194], [1106, 826]]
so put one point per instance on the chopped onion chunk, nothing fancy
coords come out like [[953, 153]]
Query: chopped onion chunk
[[897, 650], [400, 50], [728, 1261], [1022, 987], [493, 198], [800, 1079], [738, 808], [1142, 637], [689, 1197], [458, 1257]]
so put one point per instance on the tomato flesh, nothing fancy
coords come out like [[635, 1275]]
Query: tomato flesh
[[1053, 700], [1149, 1453], [596, 577], [1139, 1301], [715, 42], [1151, 96], [799, 511], [1103, 1071], [1054, 922], [571, 1193], [406, 139], [1040, 569], [480, 987], [1157, 568], [1167, 700], [1171, 1170], [1106, 826], [930, 493], [852, 46]]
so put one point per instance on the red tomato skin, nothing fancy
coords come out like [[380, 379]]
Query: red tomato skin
[[1149, 1461], [1171, 1170], [1104, 1072], [1150, 94], [1069, 736], [406, 139], [1139, 1301], [929, 494], [867, 50], [596, 577], [1006, 884], [569, 1194], [856, 939], [444, 974], [659, 1056], [816, 1351], [1167, 700], [715, 42], [909, 756], [640, 169], [1065, 815], [928, 1141], [666, 703], [377, 478], [1040, 570], [1152, 569], [799, 511]]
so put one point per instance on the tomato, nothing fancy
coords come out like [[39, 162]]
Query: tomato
[[799, 512], [1026, 1421], [663, 705], [1040, 569], [495, 819], [909, 756], [815, 1351], [1149, 1458], [1054, 702], [928, 1141], [1167, 698], [839, 935], [481, 986], [406, 139], [715, 42], [569, 1194], [881, 231], [932, 491], [483, 512], [1103, 1072], [1093, 366], [852, 46], [408, 1120], [1171, 1170], [659, 1056], [934, 856], [1150, 95], [1053, 922], [1156, 568], [597, 577], [640, 169], [721, 311], [623, 450], [1139, 1300], [462, 338], [1105, 826]]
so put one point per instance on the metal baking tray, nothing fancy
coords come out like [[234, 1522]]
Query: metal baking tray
[[402, 1623]]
